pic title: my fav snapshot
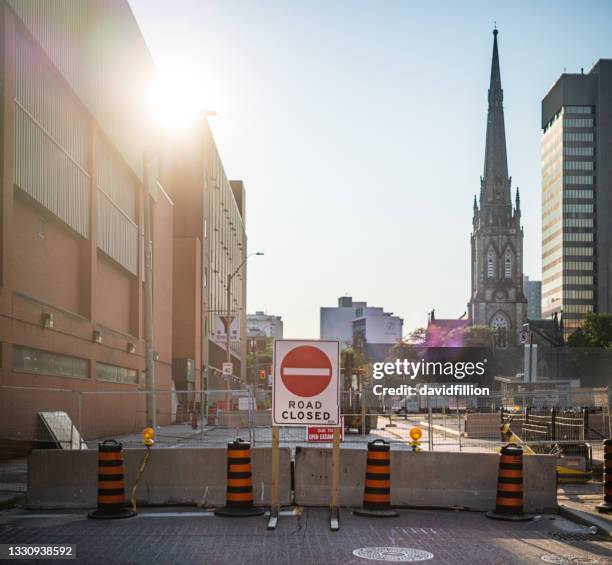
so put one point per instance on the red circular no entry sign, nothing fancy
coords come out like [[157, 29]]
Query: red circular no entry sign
[[306, 371]]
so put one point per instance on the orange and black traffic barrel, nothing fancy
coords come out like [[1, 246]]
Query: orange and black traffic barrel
[[239, 492], [606, 505], [509, 501], [111, 482], [377, 486]]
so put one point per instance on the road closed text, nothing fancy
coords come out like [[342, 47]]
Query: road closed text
[[305, 410]]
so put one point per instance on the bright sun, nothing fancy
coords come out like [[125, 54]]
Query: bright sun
[[177, 99]]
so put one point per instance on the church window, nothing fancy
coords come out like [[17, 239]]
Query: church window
[[490, 264], [499, 324], [508, 265]]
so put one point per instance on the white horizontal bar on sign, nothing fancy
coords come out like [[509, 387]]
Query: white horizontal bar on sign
[[307, 372]]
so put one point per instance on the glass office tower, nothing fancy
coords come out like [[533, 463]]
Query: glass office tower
[[576, 206]]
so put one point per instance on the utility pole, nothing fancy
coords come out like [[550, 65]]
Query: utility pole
[[228, 319], [149, 177], [228, 325]]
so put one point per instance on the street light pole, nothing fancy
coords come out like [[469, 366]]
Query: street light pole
[[228, 319], [148, 284], [227, 340]]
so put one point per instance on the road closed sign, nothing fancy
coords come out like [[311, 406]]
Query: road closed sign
[[306, 387]]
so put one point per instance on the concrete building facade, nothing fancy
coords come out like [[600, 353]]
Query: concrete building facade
[[576, 204], [209, 243], [72, 209], [336, 322], [262, 324], [75, 129], [356, 322]]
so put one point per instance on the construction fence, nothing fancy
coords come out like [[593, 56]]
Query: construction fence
[[42, 417]]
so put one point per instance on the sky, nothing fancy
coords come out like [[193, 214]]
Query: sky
[[358, 128]]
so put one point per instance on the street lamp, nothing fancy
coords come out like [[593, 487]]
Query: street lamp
[[228, 317]]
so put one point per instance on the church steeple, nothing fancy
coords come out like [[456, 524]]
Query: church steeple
[[497, 299], [495, 198]]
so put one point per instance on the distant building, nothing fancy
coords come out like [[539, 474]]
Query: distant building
[[262, 324], [209, 244], [355, 324], [438, 330], [576, 185], [533, 292], [336, 322]]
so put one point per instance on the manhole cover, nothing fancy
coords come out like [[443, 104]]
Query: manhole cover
[[392, 554], [568, 559]]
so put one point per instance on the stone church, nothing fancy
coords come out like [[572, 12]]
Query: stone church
[[497, 298]]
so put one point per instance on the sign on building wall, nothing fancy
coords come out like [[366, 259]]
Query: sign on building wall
[[306, 387], [221, 325]]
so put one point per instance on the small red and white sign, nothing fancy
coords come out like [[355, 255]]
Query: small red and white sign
[[306, 387], [322, 433]]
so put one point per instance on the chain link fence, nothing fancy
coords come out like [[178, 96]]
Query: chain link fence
[[32, 417]]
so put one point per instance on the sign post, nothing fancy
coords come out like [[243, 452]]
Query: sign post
[[306, 392], [274, 505], [334, 513]]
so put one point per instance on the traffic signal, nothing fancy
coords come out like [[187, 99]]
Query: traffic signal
[[262, 374]]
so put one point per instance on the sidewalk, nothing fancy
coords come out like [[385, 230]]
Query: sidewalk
[[173, 434], [578, 502]]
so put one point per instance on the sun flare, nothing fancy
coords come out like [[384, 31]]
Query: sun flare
[[177, 99]]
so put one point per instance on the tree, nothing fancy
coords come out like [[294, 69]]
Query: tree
[[478, 336], [596, 331], [468, 336], [403, 350], [417, 336]]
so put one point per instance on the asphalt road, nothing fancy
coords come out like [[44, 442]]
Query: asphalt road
[[186, 537]]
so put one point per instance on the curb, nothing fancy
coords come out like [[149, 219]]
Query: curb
[[586, 519], [8, 501]]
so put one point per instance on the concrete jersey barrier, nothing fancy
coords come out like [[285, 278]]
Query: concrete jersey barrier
[[68, 479], [425, 479]]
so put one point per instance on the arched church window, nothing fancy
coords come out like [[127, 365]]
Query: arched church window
[[508, 265], [490, 264], [500, 325]]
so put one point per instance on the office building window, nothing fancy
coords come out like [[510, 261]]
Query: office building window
[[579, 151], [578, 179], [579, 165], [578, 194], [28, 360], [577, 266], [579, 136], [577, 237], [578, 109], [578, 208], [584, 251], [114, 374], [578, 122]]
